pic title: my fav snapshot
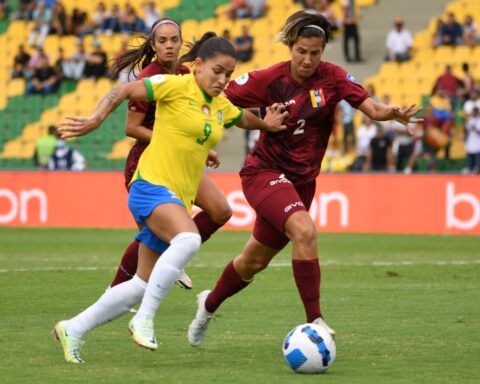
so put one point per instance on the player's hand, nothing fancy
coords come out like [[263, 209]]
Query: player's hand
[[275, 116], [78, 126], [406, 116], [213, 161]]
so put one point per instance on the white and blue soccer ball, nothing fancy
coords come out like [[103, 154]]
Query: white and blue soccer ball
[[309, 348]]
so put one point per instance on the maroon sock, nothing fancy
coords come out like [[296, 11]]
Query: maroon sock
[[206, 226], [228, 285], [307, 278], [128, 266]]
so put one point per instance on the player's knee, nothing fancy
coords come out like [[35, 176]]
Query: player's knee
[[189, 242], [303, 233], [221, 214]]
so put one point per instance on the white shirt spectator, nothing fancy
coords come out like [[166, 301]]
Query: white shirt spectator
[[469, 105], [472, 126], [152, 14], [399, 42], [365, 134]]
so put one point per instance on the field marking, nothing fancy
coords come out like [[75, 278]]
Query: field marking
[[405, 263]]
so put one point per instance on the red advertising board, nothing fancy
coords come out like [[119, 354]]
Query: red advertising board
[[428, 204]]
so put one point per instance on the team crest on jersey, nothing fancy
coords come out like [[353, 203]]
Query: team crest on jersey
[[219, 116], [351, 78], [206, 110], [317, 98], [242, 80]]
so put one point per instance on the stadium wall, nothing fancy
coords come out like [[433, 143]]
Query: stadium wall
[[417, 204]]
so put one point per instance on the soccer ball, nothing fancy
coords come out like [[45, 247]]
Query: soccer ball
[[309, 348]]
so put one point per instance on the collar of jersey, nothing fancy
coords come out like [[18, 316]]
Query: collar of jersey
[[207, 98]]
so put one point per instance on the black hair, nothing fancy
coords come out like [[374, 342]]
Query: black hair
[[210, 45], [142, 55]]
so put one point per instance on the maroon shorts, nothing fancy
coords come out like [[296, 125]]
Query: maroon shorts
[[132, 162], [275, 199]]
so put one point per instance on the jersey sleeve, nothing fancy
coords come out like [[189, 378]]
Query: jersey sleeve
[[162, 87], [249, 90], [349, 89], [232, 114]]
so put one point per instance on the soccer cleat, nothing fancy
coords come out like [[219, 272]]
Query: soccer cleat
[[198, 327], [184, 281], [319, 321], [71, 346], [143, 332]]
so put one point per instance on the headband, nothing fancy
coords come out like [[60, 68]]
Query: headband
[[315, 26], [163, 22]]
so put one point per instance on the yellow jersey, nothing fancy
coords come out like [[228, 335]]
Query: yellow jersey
[[188, 123]]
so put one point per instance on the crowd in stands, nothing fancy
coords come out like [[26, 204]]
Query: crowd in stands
[[452, 33]]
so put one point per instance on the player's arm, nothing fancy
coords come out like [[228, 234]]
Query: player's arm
[[135, 129], [383, 112], [79, 126], [272, 122]]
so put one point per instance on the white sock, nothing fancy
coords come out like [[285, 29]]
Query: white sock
[[167, 269], [113, 303]]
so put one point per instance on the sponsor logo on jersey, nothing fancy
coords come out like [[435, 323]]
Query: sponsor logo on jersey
[[206, 110], [157, 79], [291, 206], [242, 80], [351, 78], [289, 102], [281, 180], [317, 98], [219, 116]]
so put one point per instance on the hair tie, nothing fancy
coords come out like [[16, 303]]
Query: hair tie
[[163, 22], [315, 26]]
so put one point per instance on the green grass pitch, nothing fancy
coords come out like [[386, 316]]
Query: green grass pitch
[[406, 310]]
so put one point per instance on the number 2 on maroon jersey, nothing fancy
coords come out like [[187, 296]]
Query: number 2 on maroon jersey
[[300, 129]]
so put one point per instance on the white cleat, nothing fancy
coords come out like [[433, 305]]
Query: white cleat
[[319, 321], [184, 281], [71, 346], [198, 327], [143, 332]]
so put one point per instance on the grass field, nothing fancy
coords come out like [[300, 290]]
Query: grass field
[[406, 310]]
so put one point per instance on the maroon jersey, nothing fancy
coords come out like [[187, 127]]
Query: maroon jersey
[[298, 151], [148, 108]]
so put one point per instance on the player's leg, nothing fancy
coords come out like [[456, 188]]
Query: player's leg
[[216, 211], [171, 223], [237, 275]]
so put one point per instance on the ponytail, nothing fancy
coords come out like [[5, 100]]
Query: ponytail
[[207, 47]]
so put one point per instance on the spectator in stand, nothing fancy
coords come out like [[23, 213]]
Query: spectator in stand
[[365, 133], [451, 32], [469, 30], [399, 42], [450, 84], [77, 23], [130, 22], [241, 9], [96, 62], [59, 20], [325, 8], [99, 17], [437, 35], [244, 45], [73, 67], [472, 143], [471, 103], [227, 35], [44, 148], [345, 114], [469, 84], [65, 158], [42, 18], [350, 31], [35, 59], [44, 79], [4, 9], [20, 63], [58, 66], [379, 154], [443, 116], [112, 21], [152, 13], [24, 11]]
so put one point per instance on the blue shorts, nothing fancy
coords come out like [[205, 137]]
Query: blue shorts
[[143, 198]]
